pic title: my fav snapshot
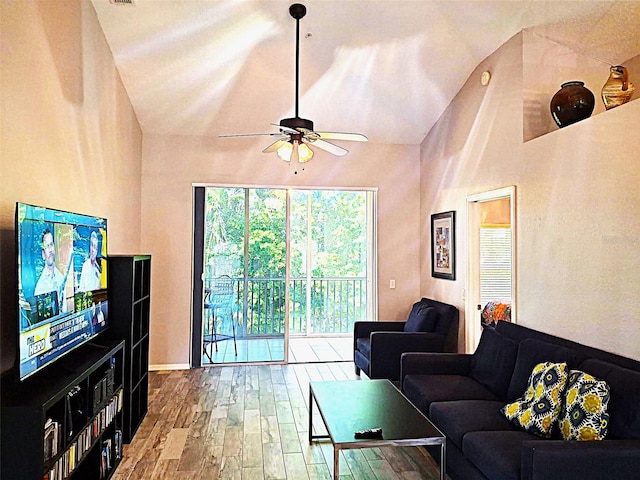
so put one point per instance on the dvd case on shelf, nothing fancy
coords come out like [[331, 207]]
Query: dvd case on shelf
[[110, 449]]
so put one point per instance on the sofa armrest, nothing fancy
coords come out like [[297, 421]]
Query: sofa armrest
[[562, 460], [364, 329], [435, 364], [387, 347]]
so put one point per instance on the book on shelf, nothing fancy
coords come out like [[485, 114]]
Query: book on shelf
[[104, 462], [72, 457], [117, 439], [51, 429], [106, 447]]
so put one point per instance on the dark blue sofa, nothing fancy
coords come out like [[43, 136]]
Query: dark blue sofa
[[432, 326], [463, 394]]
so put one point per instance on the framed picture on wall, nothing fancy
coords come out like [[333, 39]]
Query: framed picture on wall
[[443, 245]]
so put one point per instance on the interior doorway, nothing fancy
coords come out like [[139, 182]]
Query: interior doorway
[[491, 279]]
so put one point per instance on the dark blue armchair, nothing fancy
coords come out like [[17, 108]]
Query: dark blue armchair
[[432, 326]]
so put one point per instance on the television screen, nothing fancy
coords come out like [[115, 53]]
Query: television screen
[[62, 283]]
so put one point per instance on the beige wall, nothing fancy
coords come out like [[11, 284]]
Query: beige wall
[[578, 209], [172, 164], [69, 138]]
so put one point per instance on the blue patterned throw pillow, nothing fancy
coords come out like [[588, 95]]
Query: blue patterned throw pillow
[[584, 415], [540, 406]]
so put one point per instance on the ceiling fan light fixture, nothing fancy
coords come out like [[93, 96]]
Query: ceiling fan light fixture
[[304, 153], [286, 151]]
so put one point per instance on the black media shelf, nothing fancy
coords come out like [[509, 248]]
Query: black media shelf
[[66, 421], [129, 304]]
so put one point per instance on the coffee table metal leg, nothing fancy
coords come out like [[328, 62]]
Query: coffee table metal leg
[[336, 462], [443, 459], [310, 416], [313, 437]]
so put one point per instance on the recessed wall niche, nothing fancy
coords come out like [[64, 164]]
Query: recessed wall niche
[[546, 65]]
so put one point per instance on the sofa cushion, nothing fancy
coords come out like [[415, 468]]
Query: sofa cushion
[[446, 321], [531, 352], [422, 390], [624, 386], [422, 318], [457, 418], [493, 361], [496, 454], [363, 344], [539, 408], [584, 413]]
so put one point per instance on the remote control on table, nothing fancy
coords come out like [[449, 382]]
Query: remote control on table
[[369, 433]]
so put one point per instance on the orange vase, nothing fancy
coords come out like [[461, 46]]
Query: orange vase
[[618, 89]]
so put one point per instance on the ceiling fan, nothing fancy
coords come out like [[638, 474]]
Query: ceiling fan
[[297, 134]]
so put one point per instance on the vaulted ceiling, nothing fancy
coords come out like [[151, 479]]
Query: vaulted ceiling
[[385, 68]]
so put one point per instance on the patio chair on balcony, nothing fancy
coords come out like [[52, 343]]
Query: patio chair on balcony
[[432, 326], [218, 315]]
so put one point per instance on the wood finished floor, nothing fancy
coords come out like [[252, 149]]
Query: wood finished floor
[[250, 422]]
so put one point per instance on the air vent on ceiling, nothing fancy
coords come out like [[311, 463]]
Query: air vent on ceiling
[[122, 2]]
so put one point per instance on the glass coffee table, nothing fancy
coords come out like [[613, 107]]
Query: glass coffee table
[[352, 405]]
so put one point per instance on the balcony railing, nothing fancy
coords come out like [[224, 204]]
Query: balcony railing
[[329, 306]]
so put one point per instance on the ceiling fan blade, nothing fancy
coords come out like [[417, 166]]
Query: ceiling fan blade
[[274, 146], [250, 135], [286, 129], [329, 147], [354, 137]]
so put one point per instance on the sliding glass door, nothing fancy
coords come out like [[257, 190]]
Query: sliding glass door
[[329, 245], [277, 261], [243, 310]]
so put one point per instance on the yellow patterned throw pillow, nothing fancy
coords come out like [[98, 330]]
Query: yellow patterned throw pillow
[[540, 406], [584, 415]]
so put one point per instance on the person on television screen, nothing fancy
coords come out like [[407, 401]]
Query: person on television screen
[[51, 280], [91, 269]]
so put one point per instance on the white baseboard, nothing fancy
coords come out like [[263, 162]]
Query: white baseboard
[[169, 366]]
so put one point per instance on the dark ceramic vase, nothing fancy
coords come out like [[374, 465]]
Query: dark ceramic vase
[[572, 103]]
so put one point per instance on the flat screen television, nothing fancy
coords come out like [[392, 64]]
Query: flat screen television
[[62, 283]]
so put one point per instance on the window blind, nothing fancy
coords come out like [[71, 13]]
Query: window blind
[[495, 264]]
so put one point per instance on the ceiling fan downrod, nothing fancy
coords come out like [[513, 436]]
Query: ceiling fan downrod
[[297, 11]]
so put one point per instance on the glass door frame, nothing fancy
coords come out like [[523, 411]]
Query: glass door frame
[[197, 262]]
